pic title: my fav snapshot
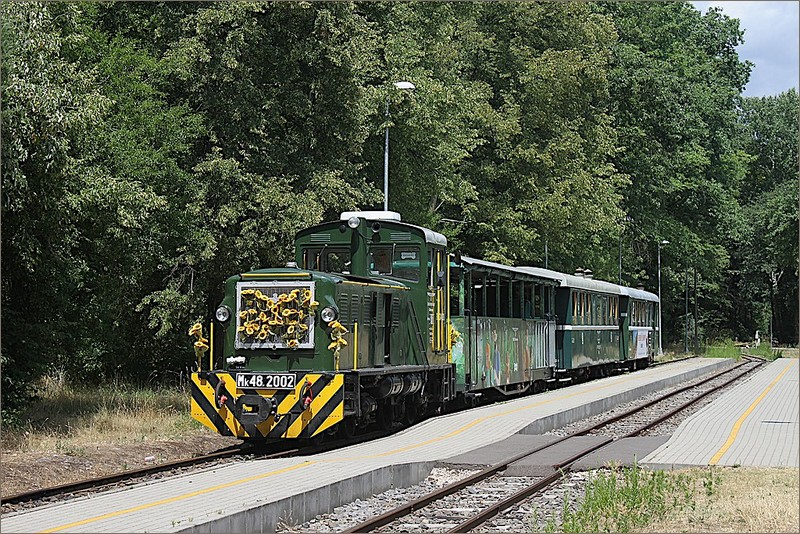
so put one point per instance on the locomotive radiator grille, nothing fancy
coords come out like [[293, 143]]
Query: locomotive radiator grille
[[275, 315], [290, 416]]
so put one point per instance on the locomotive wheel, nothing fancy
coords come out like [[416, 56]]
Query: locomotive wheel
[[347, 428], [384, 417], [411, 411]]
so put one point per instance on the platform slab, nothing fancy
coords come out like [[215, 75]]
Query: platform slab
[[497, 452], [754, 424], [256, 495], [623, 452]]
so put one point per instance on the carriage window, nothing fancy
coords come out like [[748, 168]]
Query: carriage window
[[380, 260], [584, 311], [528, 301], [503, 286], [478, 293], [574, 308], [516, 298], [491, 296], [547, 304], [537, 301], [456, 292], [405, 263]]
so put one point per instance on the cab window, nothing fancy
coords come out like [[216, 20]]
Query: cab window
[[405, 263], [380, 260]]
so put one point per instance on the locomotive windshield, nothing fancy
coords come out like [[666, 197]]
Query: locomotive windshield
[[327, 259]]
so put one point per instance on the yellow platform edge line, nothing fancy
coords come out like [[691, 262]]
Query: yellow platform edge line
[[738, 424], [177, 497]]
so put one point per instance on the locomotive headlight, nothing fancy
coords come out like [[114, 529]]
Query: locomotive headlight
[[328, 314], [353, 222], [223, 314]]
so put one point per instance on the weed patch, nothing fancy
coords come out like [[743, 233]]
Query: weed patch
[[621, 500]]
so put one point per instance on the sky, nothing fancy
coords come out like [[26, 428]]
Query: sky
[[771, 42]]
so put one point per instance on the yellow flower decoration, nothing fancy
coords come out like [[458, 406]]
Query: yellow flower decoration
[[337, 333], [201, 345], [286, 317], [455, 335]]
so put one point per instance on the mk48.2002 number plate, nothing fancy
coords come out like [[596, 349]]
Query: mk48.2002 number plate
[[265, 380]]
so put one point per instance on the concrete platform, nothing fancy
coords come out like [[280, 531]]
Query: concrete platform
[[753, 424], [255, 496]]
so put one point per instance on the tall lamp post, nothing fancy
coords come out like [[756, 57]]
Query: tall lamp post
[[662, 242], [398, 85]]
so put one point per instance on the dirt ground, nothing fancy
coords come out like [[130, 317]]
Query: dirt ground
[[30, 470]]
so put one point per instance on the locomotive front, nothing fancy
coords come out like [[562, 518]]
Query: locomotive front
[[277, 325], [358, 335]]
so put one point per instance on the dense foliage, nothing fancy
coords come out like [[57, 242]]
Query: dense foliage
[[152, 149]]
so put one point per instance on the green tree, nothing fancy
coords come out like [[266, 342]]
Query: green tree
[[763, 276], [507, 129], [49, 103], [675, 84]]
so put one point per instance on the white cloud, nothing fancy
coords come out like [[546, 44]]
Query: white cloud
[[771, 42]]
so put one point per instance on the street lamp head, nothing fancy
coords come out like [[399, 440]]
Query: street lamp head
[[664, 242], [405, 85]]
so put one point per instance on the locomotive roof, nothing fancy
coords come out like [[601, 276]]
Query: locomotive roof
[[590, 284], [384, 217], [393, 217]]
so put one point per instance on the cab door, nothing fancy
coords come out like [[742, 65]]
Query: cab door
[[437, 299]]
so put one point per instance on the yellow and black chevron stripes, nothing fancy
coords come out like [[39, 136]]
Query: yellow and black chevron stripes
[[325, 409]]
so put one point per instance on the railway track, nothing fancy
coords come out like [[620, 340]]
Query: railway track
[[471, 502]]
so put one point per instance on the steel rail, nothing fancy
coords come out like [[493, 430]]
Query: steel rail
[[628, 413], [407, 508], [564, 467]]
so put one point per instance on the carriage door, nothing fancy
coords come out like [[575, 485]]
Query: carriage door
[[471, 334], [624, 322], [437, 299], [548, 297]]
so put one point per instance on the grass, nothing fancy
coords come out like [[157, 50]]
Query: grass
[[620, 500], [728, 349], [765, 351], [696, 500], [68, 418], [724, 349]]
